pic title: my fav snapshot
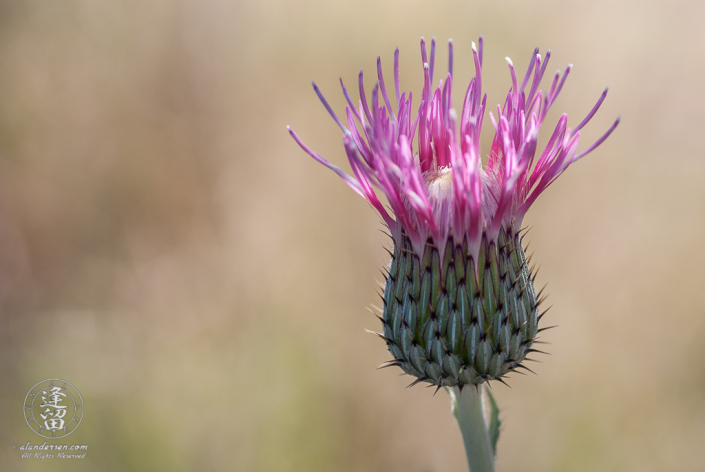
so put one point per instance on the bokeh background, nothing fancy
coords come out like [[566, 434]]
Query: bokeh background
[[167, 248]]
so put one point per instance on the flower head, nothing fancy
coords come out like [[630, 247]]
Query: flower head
[[459, 301]]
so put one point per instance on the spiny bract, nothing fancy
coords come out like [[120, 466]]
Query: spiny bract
[[458, 321]]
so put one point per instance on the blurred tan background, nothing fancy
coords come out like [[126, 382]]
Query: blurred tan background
[[168, 249]]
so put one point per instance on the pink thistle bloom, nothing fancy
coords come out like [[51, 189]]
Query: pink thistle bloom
[[459, 305], [441, 190], [459, 302]]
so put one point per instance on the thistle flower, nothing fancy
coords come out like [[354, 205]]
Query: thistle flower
[[459, 302]]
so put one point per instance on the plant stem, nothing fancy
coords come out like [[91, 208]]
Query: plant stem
[[469, 409]]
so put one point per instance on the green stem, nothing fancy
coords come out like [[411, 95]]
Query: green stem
[[469, 410]]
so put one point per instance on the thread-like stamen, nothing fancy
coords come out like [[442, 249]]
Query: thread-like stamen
[[348, 180], [433, 57], [450, 57], [396, 77], [424, 57], [593, 111], [350, 103], [363, 98], [599, 141], [528, 71], [330, 110], [384, 89]]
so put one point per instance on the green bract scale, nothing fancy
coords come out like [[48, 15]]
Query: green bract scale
[[457, 321]]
